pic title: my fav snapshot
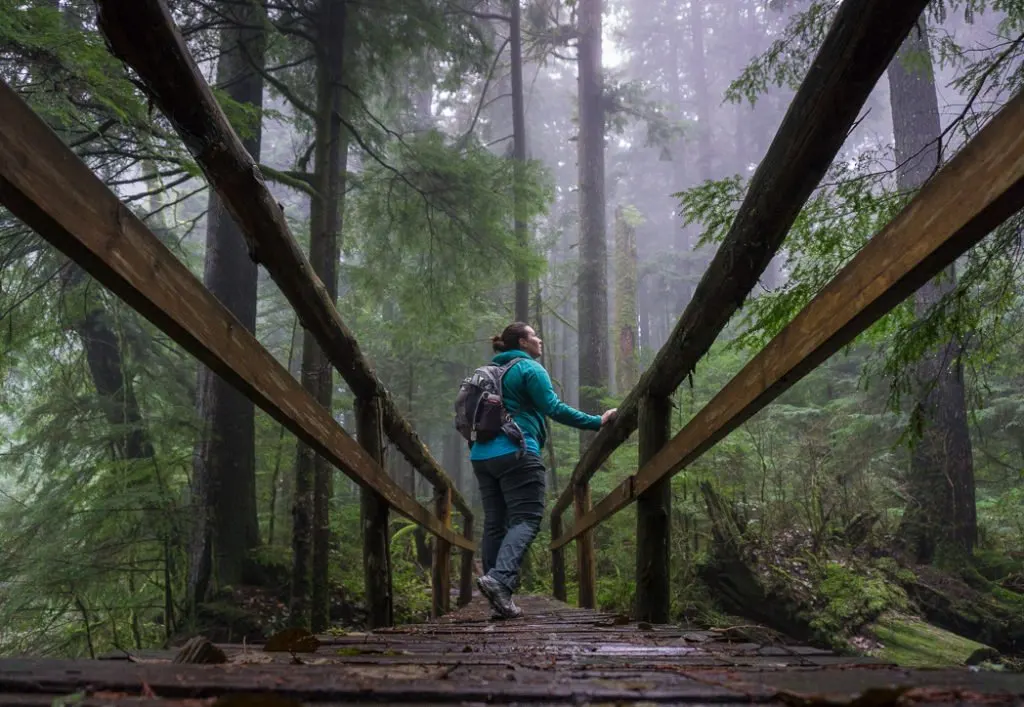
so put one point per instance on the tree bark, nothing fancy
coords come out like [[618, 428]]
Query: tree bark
[[940, 515], [224, 460]]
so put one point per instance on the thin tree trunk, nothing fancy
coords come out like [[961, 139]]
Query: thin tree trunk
[[224, 460], [626, 302], [276, 477], [331, 181], [522, 305], [310, 530], [593, 277], [940, 516], [699, 81]]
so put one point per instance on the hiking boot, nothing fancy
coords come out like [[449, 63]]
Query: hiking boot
[[499, 597], [516, 612]]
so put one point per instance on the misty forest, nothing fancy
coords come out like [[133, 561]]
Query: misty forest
[[448, 167]]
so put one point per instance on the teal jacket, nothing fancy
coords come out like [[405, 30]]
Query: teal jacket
[[529, 397]]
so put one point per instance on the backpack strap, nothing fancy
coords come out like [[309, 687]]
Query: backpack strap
[[502, 370], [512, 428]]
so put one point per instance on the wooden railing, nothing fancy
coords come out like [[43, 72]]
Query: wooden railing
[[47, 186], [972, 194]]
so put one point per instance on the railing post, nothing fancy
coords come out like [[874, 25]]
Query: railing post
[[374, 513], [557, 560], [586, 568], [466, 571], [442, 556], [653, 516]]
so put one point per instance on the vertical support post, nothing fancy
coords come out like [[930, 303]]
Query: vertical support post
[[374, 511], [653, 517], [442, 566], [466, 571], [586, 568], [557, 560]]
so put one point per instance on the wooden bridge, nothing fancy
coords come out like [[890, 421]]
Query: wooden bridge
[[557, 655]]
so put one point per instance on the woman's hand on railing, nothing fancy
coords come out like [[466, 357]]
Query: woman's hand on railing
[[607, 416]]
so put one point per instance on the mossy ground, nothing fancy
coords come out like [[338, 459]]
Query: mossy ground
[[848, 597], [910, 642]]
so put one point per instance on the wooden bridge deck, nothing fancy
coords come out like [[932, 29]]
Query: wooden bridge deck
[[557, 655]]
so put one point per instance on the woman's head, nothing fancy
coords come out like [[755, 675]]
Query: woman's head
[[521, 336]]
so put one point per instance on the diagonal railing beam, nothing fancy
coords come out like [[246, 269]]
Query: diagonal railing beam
[[976, 191], [48, 187], [175, 84], [863, 38]]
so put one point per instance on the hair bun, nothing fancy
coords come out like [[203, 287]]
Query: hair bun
[[497, 344]]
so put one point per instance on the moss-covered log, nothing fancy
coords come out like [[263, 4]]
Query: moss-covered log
[[837, 597], [988, 615]]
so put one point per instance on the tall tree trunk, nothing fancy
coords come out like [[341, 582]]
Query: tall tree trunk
[[626, 302], [699, 81], [940, 516], [593, 275], [680, 239], [311, 521], [331, 184], [522, 306], [224, 460], [592, 295]]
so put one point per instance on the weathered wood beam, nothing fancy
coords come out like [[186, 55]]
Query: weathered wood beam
[[48, 187], [976, 191], [174, 82], [374, 516], [466, 569], [586, 556], [653, 518], [558, 590], [860, 43], [441, 567]]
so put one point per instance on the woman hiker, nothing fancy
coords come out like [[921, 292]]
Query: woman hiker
[[512, 483]]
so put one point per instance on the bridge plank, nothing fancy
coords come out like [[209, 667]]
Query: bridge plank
[[856, 50], [464, 658], [46, 185], [174, 82], [978, 189]]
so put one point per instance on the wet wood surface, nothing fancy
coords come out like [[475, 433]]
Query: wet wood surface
[[554, 655]]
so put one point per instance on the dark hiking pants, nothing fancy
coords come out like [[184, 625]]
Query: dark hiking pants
[[512, 493]]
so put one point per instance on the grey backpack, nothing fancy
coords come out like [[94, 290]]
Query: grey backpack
[[480, 413]]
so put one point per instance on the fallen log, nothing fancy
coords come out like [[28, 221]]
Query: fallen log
[[840, 595], [173, 81], [860, 43], [948, 601]]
